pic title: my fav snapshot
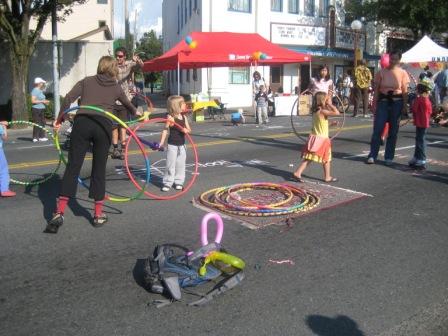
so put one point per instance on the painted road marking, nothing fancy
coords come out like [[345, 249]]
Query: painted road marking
[[199, 145], [365, 153]]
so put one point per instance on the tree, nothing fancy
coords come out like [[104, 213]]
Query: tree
[[149, 47], [15, 19], [420, 16]]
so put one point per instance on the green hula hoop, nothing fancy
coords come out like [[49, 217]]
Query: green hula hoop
[[141, 191], [42, 180]]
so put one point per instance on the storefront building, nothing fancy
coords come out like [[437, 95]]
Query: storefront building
[[316, 27]]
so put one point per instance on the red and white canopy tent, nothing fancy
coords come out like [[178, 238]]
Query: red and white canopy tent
[[223, 49]]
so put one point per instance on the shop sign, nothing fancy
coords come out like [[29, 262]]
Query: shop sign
[[297, 34]]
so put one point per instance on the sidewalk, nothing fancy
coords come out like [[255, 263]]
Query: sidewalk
[[158, 100]]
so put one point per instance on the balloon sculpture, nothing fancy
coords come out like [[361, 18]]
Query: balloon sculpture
[[215, 255], [190, 42], [384, 61], [258, 55]]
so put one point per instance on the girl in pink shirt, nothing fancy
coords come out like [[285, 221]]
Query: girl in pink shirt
[[323, 82]]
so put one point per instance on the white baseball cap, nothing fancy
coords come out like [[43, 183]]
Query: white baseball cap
[[39, 80]]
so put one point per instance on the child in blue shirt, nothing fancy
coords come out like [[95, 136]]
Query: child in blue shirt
[[237, 117], [4, 173]]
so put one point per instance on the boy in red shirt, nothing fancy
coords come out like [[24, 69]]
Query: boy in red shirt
[[421, 110]]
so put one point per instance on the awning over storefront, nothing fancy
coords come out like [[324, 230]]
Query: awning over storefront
[[221, 49], [331, 53]]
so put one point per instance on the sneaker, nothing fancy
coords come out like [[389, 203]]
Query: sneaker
[[370, 160], [115, 154], [388, 162], [99, 221], [165, 188], [43, 139], [55, 223], [412, 162], [7, 193], [35, 140], [418, 163], [179, 187]]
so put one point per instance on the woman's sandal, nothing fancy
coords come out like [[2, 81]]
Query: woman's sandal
[[100, 220], [333, 179], [297, 179]]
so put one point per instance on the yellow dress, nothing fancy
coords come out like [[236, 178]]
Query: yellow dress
[[320, 128]]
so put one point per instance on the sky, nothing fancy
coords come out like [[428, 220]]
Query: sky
[[147, 12]]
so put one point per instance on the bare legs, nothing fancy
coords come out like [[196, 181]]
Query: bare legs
[[304, 164], [302, 167], [115, 135]]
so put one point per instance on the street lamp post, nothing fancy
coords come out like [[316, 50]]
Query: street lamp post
[[356, 26]]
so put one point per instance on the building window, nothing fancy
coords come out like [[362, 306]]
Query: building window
[[102, 24], [277, 5], [240, 6], [195, 4], [181, 79], [191, 8], [195, 75], [293, 6], [323, 7], [188, 75], [239, 75], [178, 20], [309, 7], [101, 2], [276, 74], [185, 11]]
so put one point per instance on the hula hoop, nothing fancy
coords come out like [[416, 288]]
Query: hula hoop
[[266, 186], [37, 182], [219, 197], [404, 122], [212, 199], [140, 192], [150, 106], [339, 130], [132, 178], [301, 135], [313, 201]]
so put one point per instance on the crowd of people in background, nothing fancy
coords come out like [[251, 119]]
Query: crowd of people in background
[[113, 89]]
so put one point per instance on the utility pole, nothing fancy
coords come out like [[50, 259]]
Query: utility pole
[[127, 33], [54, 33], [134, 42]]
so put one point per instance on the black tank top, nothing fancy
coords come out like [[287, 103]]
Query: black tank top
[[177, 137]]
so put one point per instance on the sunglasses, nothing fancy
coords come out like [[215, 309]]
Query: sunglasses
[[119, 56]]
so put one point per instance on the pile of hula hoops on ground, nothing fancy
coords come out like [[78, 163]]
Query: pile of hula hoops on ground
[[259, 199]]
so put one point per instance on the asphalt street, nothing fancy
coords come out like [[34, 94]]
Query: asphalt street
[[375, 266]]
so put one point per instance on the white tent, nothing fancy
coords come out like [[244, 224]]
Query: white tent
[[426, 50]]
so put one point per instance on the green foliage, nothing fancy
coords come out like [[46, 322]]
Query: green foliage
[[49, 110], [149, 47], [15, 30], [420, 16]]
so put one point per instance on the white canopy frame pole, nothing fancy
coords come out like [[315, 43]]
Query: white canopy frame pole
[[178, 77], [311, 73], [209, 86]]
